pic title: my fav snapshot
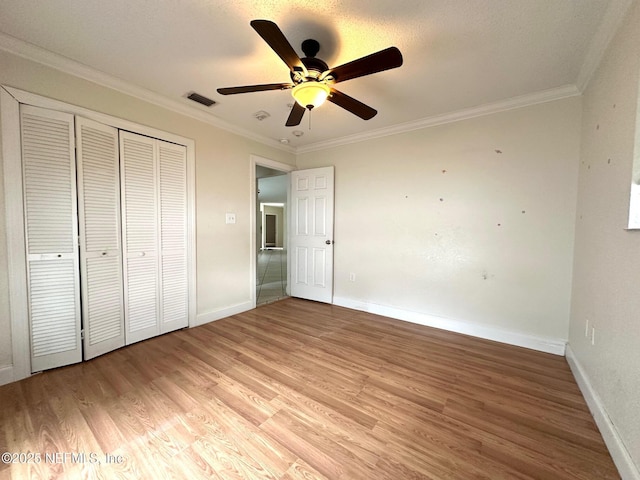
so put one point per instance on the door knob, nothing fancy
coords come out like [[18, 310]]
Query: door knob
[[328, 242]]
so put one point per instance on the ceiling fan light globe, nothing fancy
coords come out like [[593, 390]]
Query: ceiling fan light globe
[[310, 94]]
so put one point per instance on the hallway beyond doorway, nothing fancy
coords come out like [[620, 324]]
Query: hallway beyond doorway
[[271, 275]]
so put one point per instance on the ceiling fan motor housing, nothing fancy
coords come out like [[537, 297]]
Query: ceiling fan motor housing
[[315, 67], [310, 47]]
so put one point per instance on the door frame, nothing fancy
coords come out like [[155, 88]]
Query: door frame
[[254, 161], [10, 99]]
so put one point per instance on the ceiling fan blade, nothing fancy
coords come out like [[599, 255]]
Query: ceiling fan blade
[[254, 88], [274, 37], [295, 117], [376, 62], [352, 105]]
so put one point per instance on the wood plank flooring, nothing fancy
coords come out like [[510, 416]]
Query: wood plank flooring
[[298, 390]]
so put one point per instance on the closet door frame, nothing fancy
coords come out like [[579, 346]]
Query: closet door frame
[[10, 99]]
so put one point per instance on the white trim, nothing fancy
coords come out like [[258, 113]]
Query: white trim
[[66, 65], [548, 345], [613, 17], [275, 165], [621, 457], [457, 116], [225, 312], [191, 234], [14, 222], [11, 158], [36, 100], [6, 375], [255, 160]]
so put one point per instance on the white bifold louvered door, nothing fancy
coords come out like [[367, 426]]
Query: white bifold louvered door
[[172, 166], [100, 247], [154, 232], [140, 236], [51, 236]]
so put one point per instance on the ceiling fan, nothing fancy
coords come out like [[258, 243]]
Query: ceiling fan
[[311, 78]]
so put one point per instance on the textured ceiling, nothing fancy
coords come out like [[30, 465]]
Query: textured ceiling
[[457, 54]]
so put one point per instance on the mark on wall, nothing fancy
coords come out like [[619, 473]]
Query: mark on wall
[[498, 151], [486, 275]]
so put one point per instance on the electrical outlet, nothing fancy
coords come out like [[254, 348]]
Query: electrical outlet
[[230, 218], [352, 277], [593, 335]]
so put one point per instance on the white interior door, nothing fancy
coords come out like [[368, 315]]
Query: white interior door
[[51, 236], [139, 183], [312, 234], [155, 236], [174, 272], [100, 252]]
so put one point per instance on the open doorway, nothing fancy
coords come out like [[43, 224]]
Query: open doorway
[[271, 219]]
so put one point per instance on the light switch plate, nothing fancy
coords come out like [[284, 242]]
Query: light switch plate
[[231, 218]]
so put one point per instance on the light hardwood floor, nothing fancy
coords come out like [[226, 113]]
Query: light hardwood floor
[[300, 390]]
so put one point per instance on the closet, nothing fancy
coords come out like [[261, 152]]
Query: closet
[[106, 236]]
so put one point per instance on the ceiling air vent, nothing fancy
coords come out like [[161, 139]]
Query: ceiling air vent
[[196, 97]]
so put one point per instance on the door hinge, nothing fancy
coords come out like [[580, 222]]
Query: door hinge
[[82, 334]]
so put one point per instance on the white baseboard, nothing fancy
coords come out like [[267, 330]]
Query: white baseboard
[[548, 345], [621, 457], [6, 375], [214, 315]]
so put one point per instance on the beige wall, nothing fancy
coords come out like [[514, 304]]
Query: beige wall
[[222, 184], [438, 222], [607, 264]]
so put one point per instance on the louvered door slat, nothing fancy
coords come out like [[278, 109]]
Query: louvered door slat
[[49, 192], [174, 292], [100, 248], [173, 236], [142, 299], [49, 180], [173, 198], [140, 236]]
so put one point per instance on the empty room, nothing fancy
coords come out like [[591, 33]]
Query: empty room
[[320, 240]]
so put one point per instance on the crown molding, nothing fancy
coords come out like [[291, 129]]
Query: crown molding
[[613, 17], [464, 114], [66, 65]]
